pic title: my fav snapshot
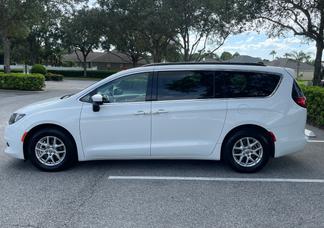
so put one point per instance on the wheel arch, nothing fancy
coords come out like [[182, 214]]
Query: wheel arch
[[255, 127], [42, 126]]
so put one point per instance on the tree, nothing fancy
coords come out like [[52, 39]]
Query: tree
[[29, 25], [1, 53], [15, 17], [286, 55], [123, 28], [192, 26], [299, 57], [82, 33], [273, 53], [226, 56], [236, 54], [197, 22], [172, 53], [303, 18], [43, 44], [159, 28], [140, 27], [208, 23]]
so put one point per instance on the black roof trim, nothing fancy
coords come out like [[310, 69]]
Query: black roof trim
[[204, 63]]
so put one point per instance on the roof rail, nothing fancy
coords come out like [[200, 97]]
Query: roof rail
[[204, 63]]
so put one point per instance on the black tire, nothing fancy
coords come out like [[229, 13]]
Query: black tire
[[70, 155], [228, 156]]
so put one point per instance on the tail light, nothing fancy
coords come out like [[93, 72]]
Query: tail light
[[298, 96], [301, 101]]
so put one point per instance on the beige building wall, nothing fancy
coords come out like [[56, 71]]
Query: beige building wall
[[307, 75]]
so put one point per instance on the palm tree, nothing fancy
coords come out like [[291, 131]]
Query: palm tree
[[286, 55], [273, 53], [299, 57]]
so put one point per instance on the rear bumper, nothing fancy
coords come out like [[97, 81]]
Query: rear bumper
[[285, 147], [14, 145], [290, 131]]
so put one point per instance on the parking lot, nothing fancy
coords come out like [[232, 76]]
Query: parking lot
[[289, 192]]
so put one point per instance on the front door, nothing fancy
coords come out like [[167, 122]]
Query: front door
[[122, 127]]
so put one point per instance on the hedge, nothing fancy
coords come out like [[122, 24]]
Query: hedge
[[79, 73], [13, 71], [315, 104], [21, 81], [53, 77]]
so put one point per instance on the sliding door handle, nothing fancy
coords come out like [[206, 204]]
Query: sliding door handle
[[139, 113], [160, 111]]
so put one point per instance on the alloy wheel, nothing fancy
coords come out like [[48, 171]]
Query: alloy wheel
[[247, 152], [50, 150]]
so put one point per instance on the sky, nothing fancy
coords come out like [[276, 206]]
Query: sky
[[260, 45]]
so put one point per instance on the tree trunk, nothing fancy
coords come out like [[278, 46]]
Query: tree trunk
[[318, 63], [26, 68], [6, 54], [298, 69], [135, 59], [186, 47], [85, 66], [157, 55]]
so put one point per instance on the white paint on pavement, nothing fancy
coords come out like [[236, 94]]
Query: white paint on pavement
[[315, 141], [217, 179]]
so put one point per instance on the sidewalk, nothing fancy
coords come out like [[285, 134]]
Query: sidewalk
[[318, 132]]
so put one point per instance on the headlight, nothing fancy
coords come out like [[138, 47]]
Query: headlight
[[15, 117]]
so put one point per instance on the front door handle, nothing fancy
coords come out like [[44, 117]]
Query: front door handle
[[160, 111]]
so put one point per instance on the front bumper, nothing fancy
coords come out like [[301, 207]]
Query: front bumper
[[14, 145]]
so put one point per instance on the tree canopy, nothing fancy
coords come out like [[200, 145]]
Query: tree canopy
[[303, 18], [82, 33], [30, 23], [40, 31], [16, 16]]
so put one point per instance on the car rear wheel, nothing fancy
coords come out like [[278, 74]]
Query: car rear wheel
[[247, 151], [51, 150]]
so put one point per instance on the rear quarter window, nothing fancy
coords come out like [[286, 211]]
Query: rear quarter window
[[250, 84], [296, 91]]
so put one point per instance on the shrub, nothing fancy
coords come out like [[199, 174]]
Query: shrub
[[53, 77], [38, 69], [315, 107], [22, 81], [79, 73]]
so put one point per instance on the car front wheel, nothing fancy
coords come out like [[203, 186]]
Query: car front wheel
[[51, 150]]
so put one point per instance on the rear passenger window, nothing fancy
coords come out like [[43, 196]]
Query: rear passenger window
[[180, 85], [250, 84]]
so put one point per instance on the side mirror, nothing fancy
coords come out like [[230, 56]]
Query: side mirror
[[97, 100]]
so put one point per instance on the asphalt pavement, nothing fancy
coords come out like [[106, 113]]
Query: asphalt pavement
[[105, 194]]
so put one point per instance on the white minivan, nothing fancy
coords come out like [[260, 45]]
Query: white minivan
[[243, 114]]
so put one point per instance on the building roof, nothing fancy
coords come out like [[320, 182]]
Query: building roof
[[204, 63], [102, 57], [290, 63], [280, 62], [244, 59]]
